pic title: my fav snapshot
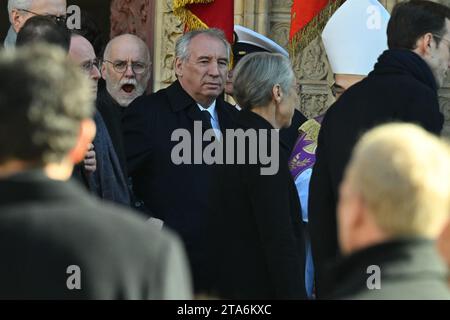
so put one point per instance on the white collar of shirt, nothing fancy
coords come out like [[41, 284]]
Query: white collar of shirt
[[211, 109]]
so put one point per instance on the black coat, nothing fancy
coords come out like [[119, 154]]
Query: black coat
[[256, 233], [174, 193], [409, 269], [401, 88], [47, 226]]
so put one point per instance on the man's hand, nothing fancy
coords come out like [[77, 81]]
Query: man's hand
[[90, 162]]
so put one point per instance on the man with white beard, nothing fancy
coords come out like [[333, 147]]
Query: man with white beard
[[126, 70]]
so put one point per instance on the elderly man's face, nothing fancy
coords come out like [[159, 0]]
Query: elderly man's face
[[55, 8], [131, 55], [82, 53], [204, 72]]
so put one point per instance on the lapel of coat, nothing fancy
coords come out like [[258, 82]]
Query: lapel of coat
[[180, 100], [226, 113]]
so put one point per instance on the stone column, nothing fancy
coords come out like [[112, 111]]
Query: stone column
[[167, 30]]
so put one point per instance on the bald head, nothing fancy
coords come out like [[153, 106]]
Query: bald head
[[127, 43], [126, 68], [82, 53]]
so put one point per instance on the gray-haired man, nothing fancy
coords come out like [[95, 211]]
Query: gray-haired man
[[21, 10], [177, 194]]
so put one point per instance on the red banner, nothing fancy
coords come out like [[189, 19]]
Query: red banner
[[303, 12], [197, 14]]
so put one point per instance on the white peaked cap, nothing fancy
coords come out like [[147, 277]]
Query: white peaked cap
[[251, 37], [355, 36]]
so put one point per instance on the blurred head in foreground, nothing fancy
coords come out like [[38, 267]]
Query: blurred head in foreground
[[396, 185], [50, 123]]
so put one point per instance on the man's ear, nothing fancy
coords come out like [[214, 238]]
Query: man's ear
[[423, 44], [85, 137], [178, 67], [103, 70], [360, 212], [17, 19]]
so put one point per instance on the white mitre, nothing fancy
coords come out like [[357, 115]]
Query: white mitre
[[355, 36]]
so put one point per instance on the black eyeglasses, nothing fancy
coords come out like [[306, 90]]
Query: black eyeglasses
[[58, 19], [121, 66], [89, 65], [443, 38]]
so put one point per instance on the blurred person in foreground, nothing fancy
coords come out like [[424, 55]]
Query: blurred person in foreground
[[57, 242], [394, 202], [43, 29]]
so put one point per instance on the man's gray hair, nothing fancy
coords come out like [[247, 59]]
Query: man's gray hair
[[19, 4], [44, 116], [182, 45], [255, 76]]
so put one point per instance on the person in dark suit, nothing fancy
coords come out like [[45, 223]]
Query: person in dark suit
[[176, 193], [126, 69], [394, 202], [403, 87], [108, 181], [256, 236], [58, 242]]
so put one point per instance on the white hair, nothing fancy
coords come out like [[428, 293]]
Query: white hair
[[255, 76], [18, 4]]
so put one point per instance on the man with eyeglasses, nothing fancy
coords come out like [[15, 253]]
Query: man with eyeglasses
[[21, 10], [402, 87], [126, 68], [108, 181]]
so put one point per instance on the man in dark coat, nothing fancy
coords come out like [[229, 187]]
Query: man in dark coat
[[403, 87], [393, 204], [126, 69], [58, 242], [108, 181], [176, 193]]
